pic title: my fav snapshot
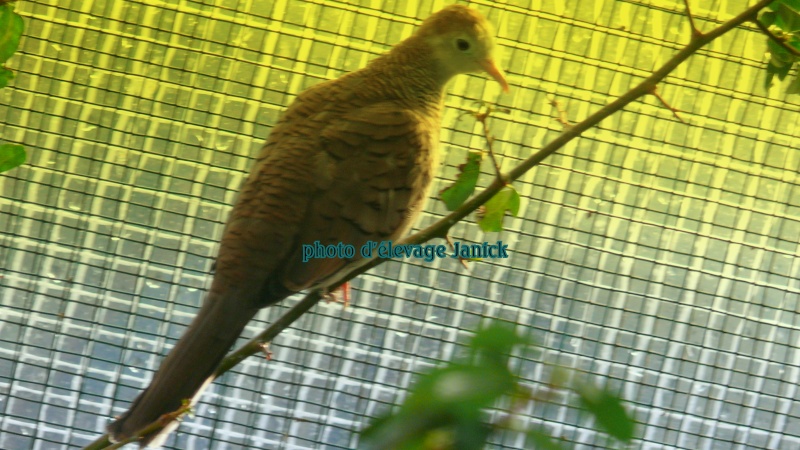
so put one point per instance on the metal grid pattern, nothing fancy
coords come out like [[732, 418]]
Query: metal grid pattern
[[657, 255]]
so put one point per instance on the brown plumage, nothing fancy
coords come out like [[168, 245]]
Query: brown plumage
[[350, 161]]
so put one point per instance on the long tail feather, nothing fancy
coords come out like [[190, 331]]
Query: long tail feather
[[187, 369]]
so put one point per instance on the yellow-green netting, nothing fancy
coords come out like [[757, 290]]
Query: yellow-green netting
[[658, 254]]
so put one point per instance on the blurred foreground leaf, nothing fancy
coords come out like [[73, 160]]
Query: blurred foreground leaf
[[11, 27], [542, 441], [607, 409], [11, 155], [445, 409]]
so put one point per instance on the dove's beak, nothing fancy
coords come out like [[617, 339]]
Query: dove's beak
[[497, 73]]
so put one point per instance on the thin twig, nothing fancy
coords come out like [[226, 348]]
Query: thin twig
[[267, 352], [453, 248], [562, 113], [674, 110], [487, 134], [695, 31], [643, 88]]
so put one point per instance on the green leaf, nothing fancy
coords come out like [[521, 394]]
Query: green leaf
[[780, 56], [455, 195], [767, 18], [505, 200], [773, 70], [788, 17], [455, 389], [560, 377], [5, 76], [542, 441], [470, 436], [773, 5], [795, 43], [794, 87], [494, 342], [781, 70], [607, 409], [11, 156], [769, 77], [446, 407], [447, 404], [11, 27]]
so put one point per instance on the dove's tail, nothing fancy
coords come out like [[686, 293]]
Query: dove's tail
[[187, 369]]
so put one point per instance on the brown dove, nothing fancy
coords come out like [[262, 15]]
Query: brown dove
[[351, 161]]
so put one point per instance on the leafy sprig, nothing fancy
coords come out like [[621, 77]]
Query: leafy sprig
[[11, 28], [780, 21], [447, 408]]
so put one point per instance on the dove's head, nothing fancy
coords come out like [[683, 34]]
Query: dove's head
[[462, 41]]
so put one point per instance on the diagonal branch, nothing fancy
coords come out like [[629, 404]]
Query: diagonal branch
[[440, 228]]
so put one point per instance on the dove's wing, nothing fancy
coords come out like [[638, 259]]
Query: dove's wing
[[374, 168]]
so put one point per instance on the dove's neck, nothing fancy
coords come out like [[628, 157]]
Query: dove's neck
[[409, 72]]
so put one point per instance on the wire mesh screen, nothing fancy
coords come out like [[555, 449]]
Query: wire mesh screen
[[656, 255]]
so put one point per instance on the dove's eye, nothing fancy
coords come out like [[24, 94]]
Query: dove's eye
[[462, 44]]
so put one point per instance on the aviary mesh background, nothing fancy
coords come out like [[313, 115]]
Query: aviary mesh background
[[660, 257]]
